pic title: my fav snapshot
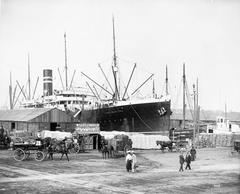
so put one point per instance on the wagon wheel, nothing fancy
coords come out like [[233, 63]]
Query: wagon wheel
[[75, 149], [39, 156], [19, 154]]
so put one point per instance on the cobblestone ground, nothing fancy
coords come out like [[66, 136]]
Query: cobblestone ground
[[216, 170]]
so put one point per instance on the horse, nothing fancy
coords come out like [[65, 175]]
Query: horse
[[165, 144], [110, 150], [107, 151], [58, 147]]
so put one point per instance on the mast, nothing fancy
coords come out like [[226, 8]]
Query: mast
[[198, 108], [195, 113], [166, 80], [225, 112], [29, 79], [10, 92], [115, 68], [184, 91], [65, 52], [153, 90]]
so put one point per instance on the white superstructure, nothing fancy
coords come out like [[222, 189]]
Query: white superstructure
[[223, 126]]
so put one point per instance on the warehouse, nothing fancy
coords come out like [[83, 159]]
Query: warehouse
[[31, 121]]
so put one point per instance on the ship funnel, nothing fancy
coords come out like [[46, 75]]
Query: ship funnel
[[47, 82]]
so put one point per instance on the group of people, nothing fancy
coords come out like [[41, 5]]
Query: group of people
[[190, 156], [4, 138], [131, 161]]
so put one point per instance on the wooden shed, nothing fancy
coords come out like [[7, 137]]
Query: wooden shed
[[37, 119]]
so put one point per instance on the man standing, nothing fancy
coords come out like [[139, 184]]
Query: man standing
[[129, 160], [188, 160], [181, 161], [134, 161], [193, 153]]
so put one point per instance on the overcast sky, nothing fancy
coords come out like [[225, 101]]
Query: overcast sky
[[203, 34]]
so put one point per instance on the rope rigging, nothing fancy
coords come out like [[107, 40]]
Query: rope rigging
[[141, 119]]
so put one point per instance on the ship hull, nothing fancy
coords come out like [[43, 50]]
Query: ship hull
[[142, 117]]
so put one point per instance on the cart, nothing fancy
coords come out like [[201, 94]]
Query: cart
[[23, 150], [166, 145], [121, 143]]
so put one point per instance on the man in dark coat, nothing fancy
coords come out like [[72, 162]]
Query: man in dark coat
[[193, 153], [188, 160], [181, 161]]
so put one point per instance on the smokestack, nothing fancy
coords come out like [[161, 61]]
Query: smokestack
[[47, 82]]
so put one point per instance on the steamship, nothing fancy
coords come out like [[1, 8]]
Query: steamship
[[118, 112], [125, 114], [68, 99]]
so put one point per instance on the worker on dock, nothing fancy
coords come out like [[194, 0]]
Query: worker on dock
[[129, 161], [181, 161], [134, 161], [188, 160], [193, 153]]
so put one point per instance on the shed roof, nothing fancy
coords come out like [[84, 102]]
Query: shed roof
[[25, 114]]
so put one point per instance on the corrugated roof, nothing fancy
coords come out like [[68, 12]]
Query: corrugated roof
[[26, 114]]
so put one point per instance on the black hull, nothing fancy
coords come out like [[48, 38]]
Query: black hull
[[143, 117]]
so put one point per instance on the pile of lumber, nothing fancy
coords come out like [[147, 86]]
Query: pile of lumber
[[216, 140]]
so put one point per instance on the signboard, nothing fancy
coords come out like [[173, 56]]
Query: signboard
[[88, 128]]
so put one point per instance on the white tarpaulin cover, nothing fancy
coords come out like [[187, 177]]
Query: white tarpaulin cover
[[139, 140], [59, 135], [142, 141], [111, 134]]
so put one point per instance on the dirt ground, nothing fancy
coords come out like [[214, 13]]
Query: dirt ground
[[215, 170]]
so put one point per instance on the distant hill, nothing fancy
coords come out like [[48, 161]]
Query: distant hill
[[206, 115]]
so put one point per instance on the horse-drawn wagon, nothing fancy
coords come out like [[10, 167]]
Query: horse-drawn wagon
[[121, 143], [170, 145], [47, 143], [115, 145], [23, 149]]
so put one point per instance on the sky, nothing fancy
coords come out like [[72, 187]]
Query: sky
[[152, 33]]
